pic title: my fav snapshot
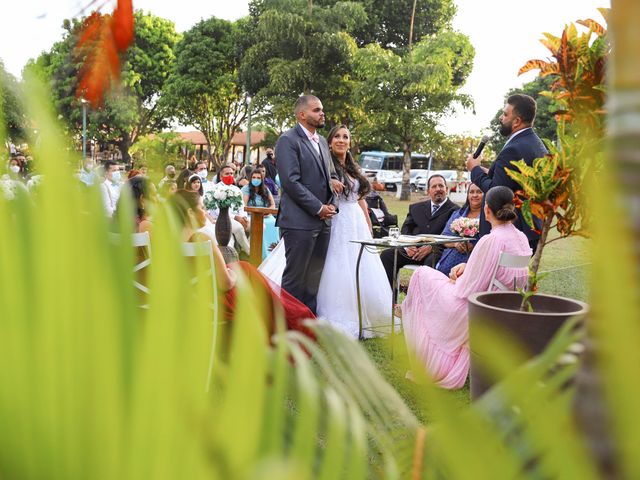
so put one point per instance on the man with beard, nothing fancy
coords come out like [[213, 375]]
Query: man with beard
[[516, 123], [307, 203], [425, 217]]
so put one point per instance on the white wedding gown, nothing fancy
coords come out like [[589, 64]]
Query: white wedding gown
[[337, 297]]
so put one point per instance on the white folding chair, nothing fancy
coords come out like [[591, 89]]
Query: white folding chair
[[507, 260], [204, 250], [141, 240], [138, 240]]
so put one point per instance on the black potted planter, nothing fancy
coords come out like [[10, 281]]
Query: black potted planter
[[533, 330]]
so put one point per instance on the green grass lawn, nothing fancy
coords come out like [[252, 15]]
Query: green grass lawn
[[566, 260]]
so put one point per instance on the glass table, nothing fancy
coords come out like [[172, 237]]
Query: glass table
[[379, 244]]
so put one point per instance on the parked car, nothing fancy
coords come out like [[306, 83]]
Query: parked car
[[414, 176], [451, 176]]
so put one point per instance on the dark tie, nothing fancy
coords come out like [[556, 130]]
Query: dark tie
[[434, 209]]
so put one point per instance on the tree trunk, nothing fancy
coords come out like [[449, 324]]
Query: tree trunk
[[413, 16], [406, 172], [537, 256]]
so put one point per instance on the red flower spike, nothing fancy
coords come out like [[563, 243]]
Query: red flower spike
[[122, 25], [102, 39]]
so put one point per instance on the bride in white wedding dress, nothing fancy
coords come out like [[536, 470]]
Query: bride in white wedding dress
[[337, 298]]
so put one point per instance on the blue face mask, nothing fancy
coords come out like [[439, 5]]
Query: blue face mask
[[256, 182]]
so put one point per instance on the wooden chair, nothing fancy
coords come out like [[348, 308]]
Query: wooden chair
[[507, 260]]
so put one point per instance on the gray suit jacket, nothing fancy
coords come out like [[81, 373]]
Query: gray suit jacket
[[305, 180]]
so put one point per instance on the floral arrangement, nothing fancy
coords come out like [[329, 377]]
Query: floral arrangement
[[223, 196], [465, 227]]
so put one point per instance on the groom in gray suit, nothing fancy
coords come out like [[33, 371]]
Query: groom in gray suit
[[307, 203]]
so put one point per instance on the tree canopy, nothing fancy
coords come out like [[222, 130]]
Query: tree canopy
[[302, 47], [11, 111], [131, 109], [204, 89], [402, 97]]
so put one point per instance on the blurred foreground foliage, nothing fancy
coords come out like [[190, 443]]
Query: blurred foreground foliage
[[92, 386]]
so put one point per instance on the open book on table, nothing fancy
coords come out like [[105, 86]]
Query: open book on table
[[426, 238]]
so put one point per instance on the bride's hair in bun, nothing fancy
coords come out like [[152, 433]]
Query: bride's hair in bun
[[500, 202]]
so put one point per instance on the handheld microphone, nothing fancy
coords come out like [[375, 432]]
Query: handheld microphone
[[481, 145]]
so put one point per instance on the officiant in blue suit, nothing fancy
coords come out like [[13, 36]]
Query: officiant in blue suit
[[516, 122]]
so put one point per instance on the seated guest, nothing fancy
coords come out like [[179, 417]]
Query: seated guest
[[227, 170], [381, 218], [194, 184], [87, 174], [425, 217], [256, 194], [245, 176], [190, 213], [455, 253], [270, 184], [239, 218], [203, 173], [434, 313], [168, 188], [16, 168], [182, 178], [141, 194], [133, 173], [169, 175]]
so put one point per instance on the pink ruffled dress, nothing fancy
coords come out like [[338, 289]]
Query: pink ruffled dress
[[434, 313]]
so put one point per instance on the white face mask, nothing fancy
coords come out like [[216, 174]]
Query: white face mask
[[203, 174], [14, 168], [115, 176]]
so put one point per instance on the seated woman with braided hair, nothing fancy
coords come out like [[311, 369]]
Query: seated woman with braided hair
[[434, 313], [190, 213]]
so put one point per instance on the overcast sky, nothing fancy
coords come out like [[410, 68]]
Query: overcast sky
[[505, 34]]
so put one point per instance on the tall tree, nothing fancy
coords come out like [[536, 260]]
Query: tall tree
[[302, 46], [404, 96], [388, 21], [204, 87], [11, 111], [130, 110]]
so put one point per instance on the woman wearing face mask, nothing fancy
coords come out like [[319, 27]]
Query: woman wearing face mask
[[256, 194], [16, 169]]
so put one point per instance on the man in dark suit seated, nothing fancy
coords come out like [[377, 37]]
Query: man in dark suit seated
[[425, 217], [516, 122]]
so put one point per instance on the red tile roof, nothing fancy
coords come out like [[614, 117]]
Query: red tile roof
[[239, 138]]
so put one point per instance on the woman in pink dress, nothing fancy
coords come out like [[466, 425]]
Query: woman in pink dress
[[434, 313]]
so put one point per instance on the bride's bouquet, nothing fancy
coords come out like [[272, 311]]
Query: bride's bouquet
[[465, 227], [223, 196]]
